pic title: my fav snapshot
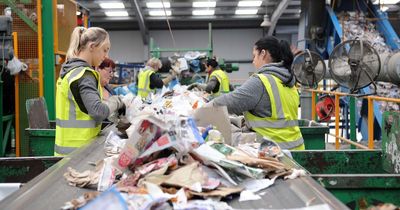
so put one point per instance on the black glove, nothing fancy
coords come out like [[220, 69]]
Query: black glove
[[169, 93], [192, 86], [122, 110]]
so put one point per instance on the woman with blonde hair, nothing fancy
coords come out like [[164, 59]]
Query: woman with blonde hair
[[148, 81], [79, 107]]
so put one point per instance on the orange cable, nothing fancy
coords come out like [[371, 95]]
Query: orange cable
[[16, 84]]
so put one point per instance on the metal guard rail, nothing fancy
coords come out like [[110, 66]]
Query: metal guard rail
[[352, 96]]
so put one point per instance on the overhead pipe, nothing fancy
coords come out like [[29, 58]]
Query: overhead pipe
[[390, 68], [139, 16]]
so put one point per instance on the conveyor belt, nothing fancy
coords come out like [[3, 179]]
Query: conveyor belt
[[50, 190]]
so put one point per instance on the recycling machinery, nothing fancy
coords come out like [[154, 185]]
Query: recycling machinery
[[359, 178]]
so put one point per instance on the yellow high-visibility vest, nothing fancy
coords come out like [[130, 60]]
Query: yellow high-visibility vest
[[74, 128], [223, 80], [144, 83], [282, 126]]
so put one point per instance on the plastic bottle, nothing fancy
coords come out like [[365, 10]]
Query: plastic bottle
[[205, 133]]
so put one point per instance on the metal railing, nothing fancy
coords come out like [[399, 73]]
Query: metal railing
[[337, 95]]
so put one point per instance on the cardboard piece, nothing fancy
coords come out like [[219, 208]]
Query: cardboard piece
[[189, 176], [37, 113], [216, 116], [219, 192]]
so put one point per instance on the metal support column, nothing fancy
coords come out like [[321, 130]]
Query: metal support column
[[353, 130], [1, 110], [48, 57], [210, 41], [140, 18]]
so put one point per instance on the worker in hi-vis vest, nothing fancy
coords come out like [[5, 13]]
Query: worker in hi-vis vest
[[148, 81], [269, 99], [218, 80], [79, 106]]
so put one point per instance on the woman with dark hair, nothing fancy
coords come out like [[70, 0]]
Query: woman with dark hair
[[218, 80], [106, 70], [269, 99]]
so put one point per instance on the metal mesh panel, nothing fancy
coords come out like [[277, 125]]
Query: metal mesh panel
[[66, 22], [28, 82]]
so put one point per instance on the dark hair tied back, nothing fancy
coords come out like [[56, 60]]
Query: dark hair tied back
[[212, 62], [279, 50], [287, 55]]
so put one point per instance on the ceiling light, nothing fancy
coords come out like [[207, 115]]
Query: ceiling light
[[117, 13], [158, 4], [246, 11], [112, 5], [204, 4], [159, 12], [249, 3], [386, 1], [203, 12], [266, 22]]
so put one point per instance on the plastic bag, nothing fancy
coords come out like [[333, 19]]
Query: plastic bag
[[144, 133]]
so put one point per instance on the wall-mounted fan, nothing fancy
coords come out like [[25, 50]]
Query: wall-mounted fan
[[354, 64], [308, 68]]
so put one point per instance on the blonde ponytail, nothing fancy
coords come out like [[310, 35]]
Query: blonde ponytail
[[81, 37], [73, 48]]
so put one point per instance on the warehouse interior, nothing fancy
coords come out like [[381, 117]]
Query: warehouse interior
[[200, 104]]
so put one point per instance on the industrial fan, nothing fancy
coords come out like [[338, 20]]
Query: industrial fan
[[354, 64], [309, 68]]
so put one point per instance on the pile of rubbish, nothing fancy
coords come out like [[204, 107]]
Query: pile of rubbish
[[166, 161], [356, 26], [388, 90]]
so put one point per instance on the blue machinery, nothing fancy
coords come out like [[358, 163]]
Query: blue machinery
[[323, 34]]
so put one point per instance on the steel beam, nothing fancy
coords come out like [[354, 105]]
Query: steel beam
[[277, 14], [140, 19]]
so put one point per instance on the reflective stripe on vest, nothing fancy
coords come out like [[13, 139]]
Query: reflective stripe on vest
[[273, 124], [291, 144], [277, 97], [73, 123], [144, 87], [223, 81], [282, 126], [63, 150], [74, 128]]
